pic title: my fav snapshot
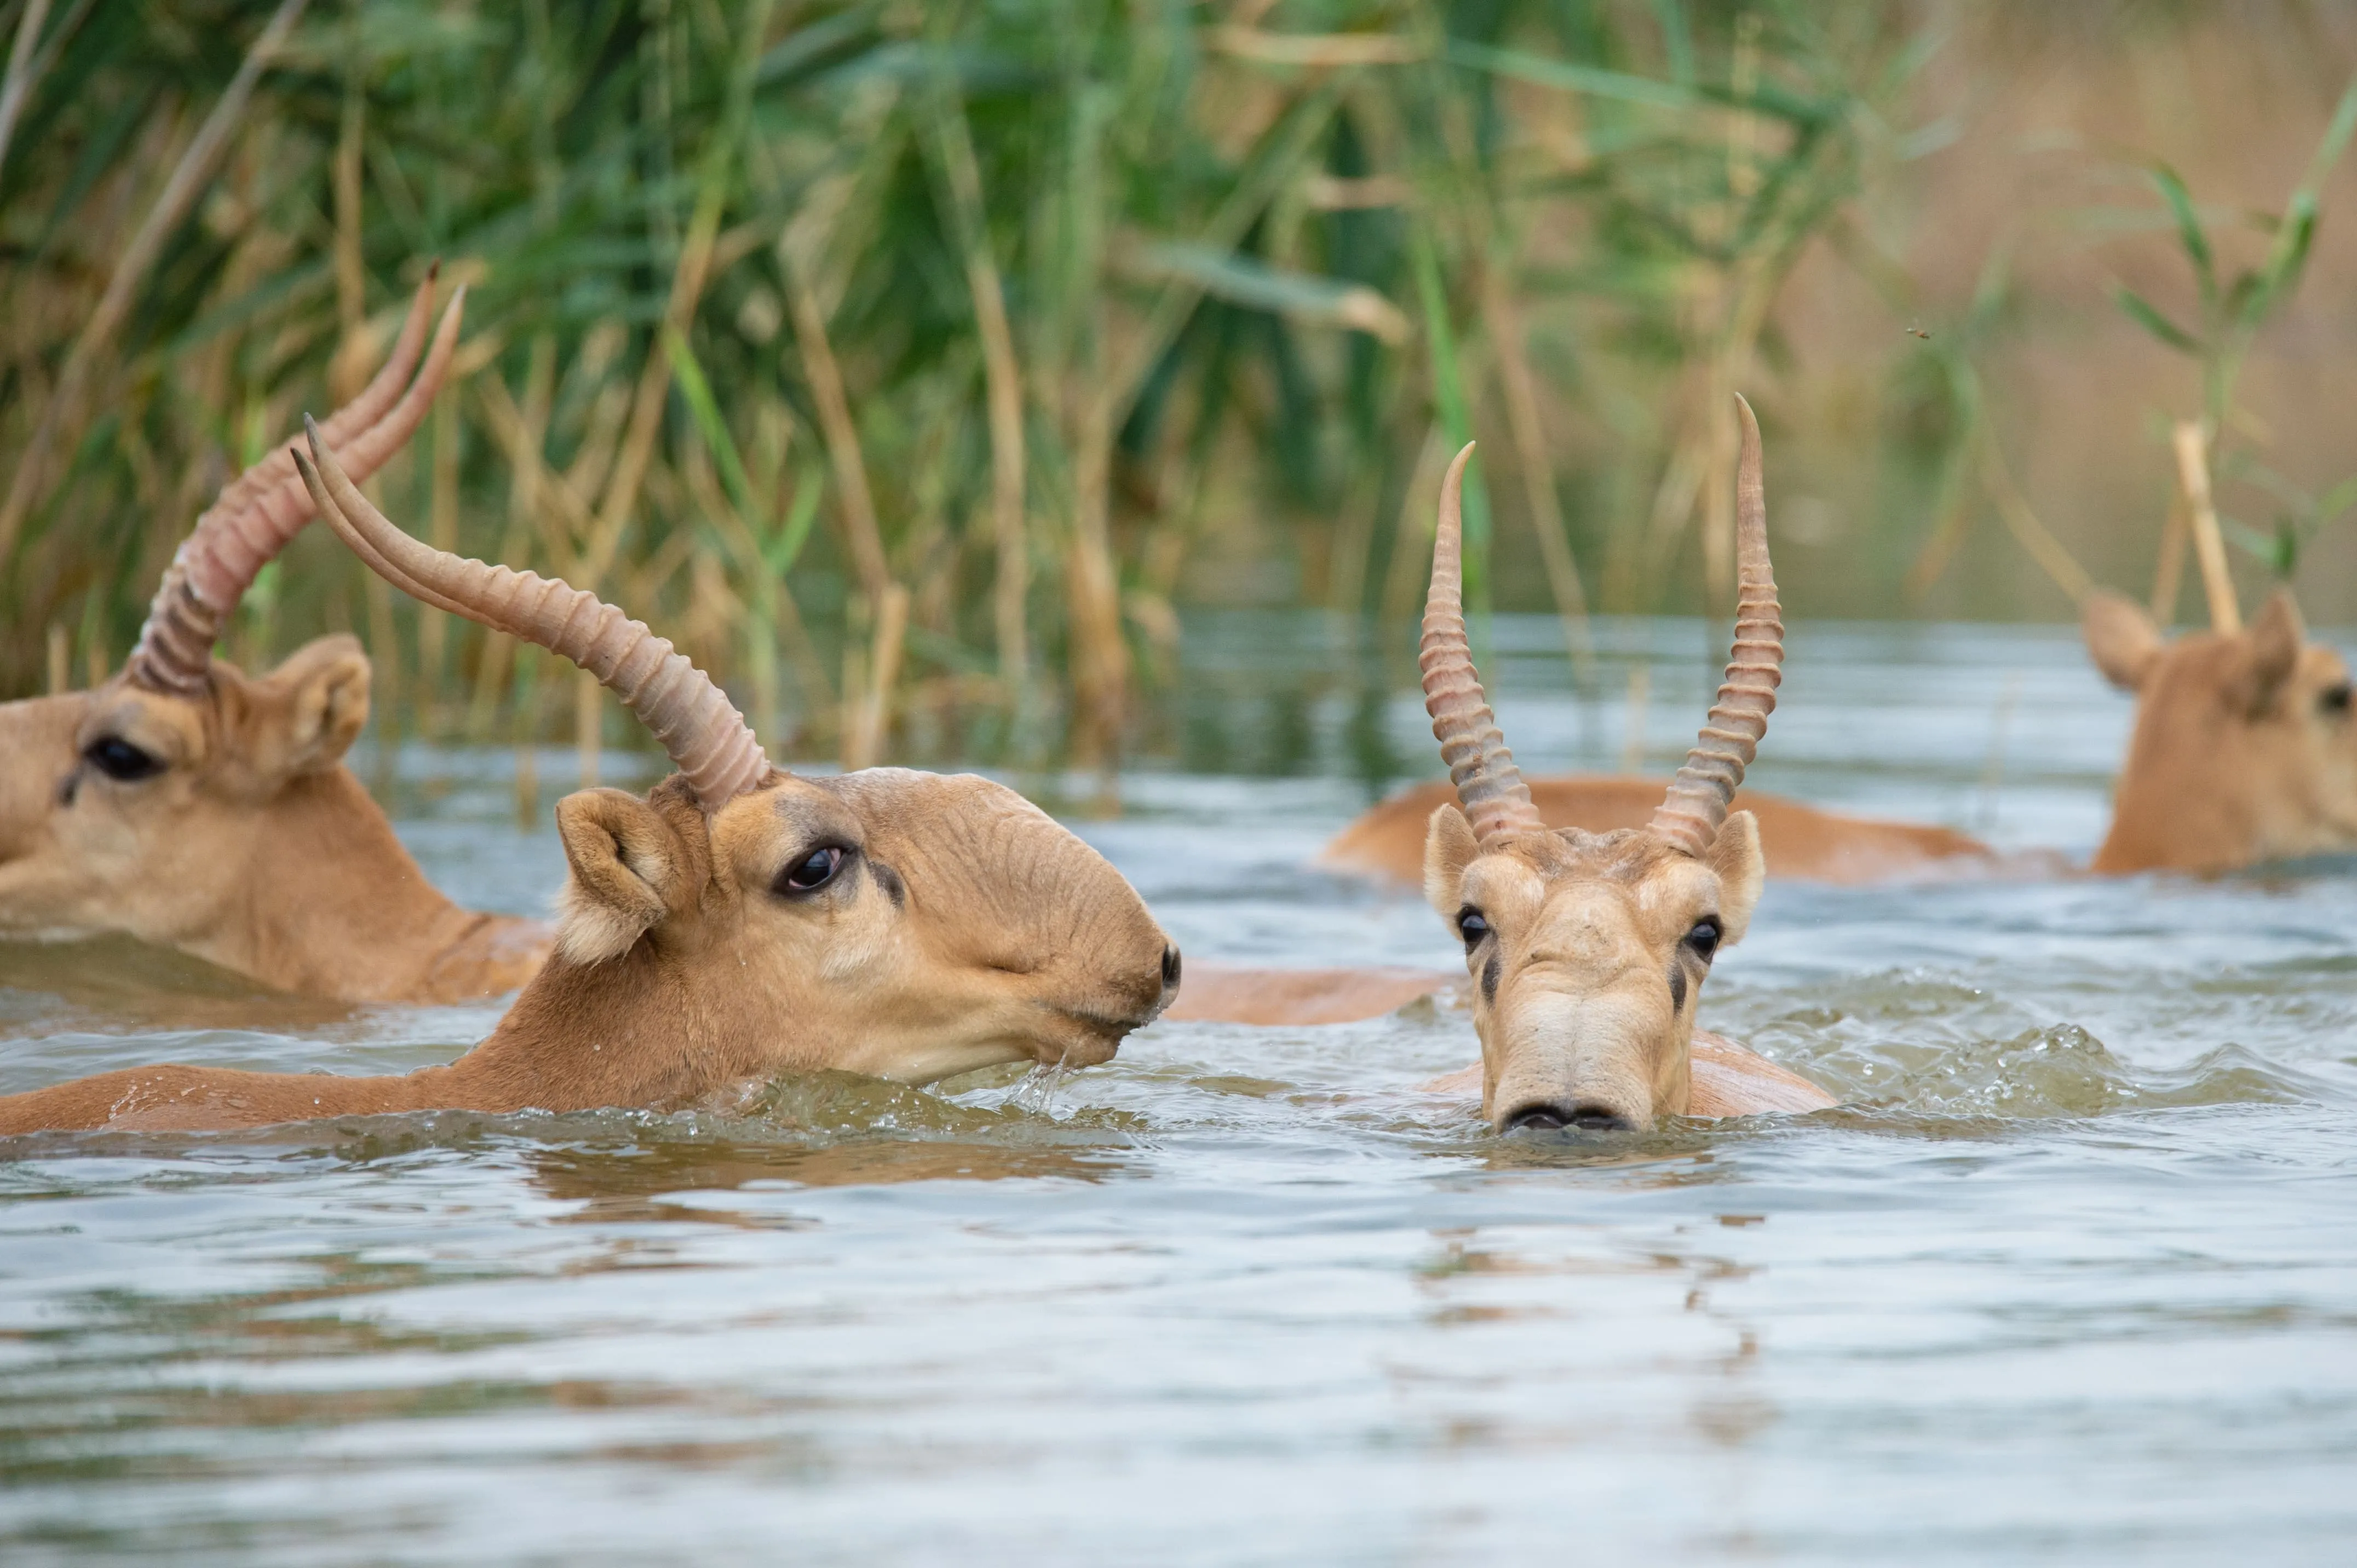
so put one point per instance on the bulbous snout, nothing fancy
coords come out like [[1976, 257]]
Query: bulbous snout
[[1575, 1062]]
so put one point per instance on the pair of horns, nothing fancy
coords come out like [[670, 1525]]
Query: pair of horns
[[259, 511], [707, 738], [1490, 787]]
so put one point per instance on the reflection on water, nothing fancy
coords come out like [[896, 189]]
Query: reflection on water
[[2070, 1279]]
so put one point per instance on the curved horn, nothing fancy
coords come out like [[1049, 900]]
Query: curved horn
[[1489, 785], [707, 738], [259, 511], [1699, 796]]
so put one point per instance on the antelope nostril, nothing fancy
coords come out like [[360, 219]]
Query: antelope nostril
[[1584, 1118], [1169, 966]]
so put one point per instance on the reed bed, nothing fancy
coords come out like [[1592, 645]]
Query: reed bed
[[912, 365]]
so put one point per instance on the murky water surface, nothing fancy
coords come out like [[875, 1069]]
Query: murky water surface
[[2074, 1281]]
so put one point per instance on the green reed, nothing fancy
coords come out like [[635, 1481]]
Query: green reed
[[907, 364]]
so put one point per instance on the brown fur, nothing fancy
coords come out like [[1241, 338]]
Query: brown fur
[[964, 928], [2245, 749], [254, 848], [1799, 842]]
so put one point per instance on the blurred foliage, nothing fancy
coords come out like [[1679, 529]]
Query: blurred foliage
[[900, 361]]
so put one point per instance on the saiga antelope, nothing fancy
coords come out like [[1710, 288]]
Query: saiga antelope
[[734, 923], [190, 805]]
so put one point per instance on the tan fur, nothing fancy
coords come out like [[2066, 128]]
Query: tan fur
[[1226, 993], [1799, 842], [1586, 1023], [1728, 1079], [254, 848], [2245, 749], [964, 928]]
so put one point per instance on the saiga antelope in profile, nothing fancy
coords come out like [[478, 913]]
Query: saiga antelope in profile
[[190, 805], [734, 923]]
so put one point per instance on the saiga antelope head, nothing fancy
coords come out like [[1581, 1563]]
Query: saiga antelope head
[[738, 920], [1587, 952], [2245, 749], [187, 803]]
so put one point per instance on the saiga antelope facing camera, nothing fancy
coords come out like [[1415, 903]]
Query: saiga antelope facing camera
[[195, 806], [734, 923], [1587, 952]]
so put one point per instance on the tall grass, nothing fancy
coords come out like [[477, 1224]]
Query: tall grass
[[906, 364]]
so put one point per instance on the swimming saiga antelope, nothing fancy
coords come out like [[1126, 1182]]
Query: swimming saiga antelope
[[1586, 951], [734, 923], [190, 805]]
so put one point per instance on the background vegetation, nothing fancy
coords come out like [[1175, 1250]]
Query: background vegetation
[[913, 365]]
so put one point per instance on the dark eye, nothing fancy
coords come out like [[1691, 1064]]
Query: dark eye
[[2334, 699], [122, 761], [1471, 926], [813, 871], [1704, 938]]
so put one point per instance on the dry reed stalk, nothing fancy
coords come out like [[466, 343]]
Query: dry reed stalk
[[2045, 549], [18, 81], [1522, 422], [862, 742], [2169, 572], [1100, 652], [1003, 381], [188, 175], [2191, 439], [60, 652], [861, 532]]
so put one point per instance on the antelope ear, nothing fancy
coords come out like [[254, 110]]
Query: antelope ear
[[2276, 640], [2120, 638], [304, 715], [627, 865], [1735, 855], [1449, 847]]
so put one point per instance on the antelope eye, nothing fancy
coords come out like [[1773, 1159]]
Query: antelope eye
[[2334, 700], [812, 872], [1471, 926], [122, 761], [1704, 938]]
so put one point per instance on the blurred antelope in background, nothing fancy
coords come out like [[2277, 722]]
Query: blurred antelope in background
[[2243, 750], [734, 923], [190, 805]]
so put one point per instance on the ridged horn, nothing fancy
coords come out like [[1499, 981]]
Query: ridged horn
[[1700, 796], [259, 511], [707, 738], [1489, 785]]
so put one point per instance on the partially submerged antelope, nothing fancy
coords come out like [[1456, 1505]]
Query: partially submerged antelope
[[1587, 950], [735, 922], [2245, 749], [190, 805]]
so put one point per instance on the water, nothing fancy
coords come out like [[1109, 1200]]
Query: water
[[2074, 1280]]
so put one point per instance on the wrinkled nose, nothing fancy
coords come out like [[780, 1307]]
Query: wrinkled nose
[[1581, 1118]]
